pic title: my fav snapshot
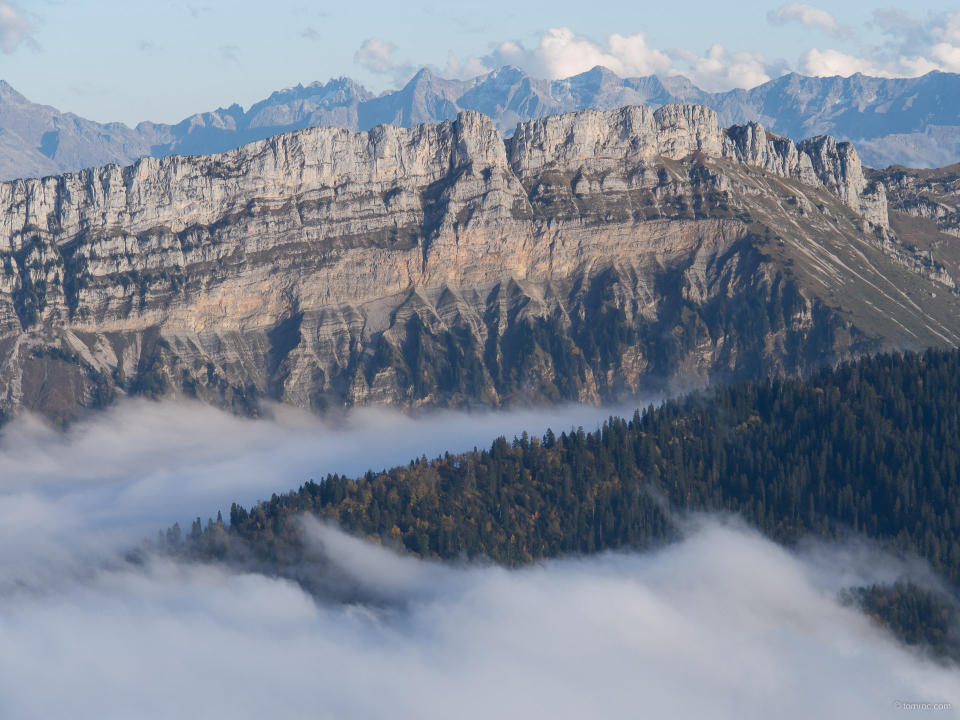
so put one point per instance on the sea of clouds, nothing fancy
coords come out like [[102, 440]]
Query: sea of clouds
[[723, 624]]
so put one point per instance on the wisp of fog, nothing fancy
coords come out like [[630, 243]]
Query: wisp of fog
[[723, 624]]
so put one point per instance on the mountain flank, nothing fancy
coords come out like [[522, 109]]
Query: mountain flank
[[592, 256]]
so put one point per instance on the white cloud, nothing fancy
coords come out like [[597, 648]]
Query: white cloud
[[831, 62], [722, 625], [561, 53], [466, 70], [151, 463], [375, 55], [828, 63], [917, 66], [915, 48], [947, 57], [720, 70], [15, 28], [809, 16], [564, 54], [946, 28], [942, 52]]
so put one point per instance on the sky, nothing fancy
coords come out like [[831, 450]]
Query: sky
[[723, 624], [132, 61]]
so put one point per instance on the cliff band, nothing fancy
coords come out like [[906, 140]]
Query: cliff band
[[592, 255]]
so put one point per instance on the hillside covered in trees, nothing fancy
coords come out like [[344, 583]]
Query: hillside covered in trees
[[914, 614], [870, 448]]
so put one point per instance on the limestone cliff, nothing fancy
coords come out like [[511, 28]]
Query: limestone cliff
[[593, 255], [638, 135]]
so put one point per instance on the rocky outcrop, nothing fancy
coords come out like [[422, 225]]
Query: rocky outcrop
[[638, 134], [838, 167], [632, 134], [594, 254], [924, 207]]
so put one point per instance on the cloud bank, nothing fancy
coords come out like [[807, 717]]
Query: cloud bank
[[141, 465], [909, 47], [561, 53], [722, 625]]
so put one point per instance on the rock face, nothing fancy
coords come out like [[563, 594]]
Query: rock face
[[925, 214], [593, 255], [637, 135]]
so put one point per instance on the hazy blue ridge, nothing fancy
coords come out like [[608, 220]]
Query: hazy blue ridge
[[907, 121]]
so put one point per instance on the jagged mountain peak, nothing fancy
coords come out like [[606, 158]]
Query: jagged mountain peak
[[423, 73], [911, 121], [600, 74], [9, 96]]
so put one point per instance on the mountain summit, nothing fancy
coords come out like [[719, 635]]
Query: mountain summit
[[913, 122]]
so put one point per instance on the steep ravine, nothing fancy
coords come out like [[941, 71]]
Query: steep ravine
[[594, 255]]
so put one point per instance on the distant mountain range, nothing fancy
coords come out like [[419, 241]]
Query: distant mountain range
[[913, 122]]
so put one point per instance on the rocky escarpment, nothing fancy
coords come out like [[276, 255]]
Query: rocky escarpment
[[594, 255], [637, 135], [925, 215]]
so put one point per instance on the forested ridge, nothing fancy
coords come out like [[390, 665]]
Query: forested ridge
[[871, 448], [916, 615]]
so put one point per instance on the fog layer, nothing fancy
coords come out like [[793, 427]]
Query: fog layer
[[724, 624]]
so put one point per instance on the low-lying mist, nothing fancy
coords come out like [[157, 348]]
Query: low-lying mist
[[723, 624], [141, 466]]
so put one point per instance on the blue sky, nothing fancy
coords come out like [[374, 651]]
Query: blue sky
[[132, 61]]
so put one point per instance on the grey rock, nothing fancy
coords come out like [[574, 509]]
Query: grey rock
[[594, 255]]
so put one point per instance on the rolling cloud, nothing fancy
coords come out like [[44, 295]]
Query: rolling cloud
[[561, 53], [724, 624], [910, 48], [141, 464]]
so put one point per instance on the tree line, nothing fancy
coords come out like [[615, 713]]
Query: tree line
[[870, 448]]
